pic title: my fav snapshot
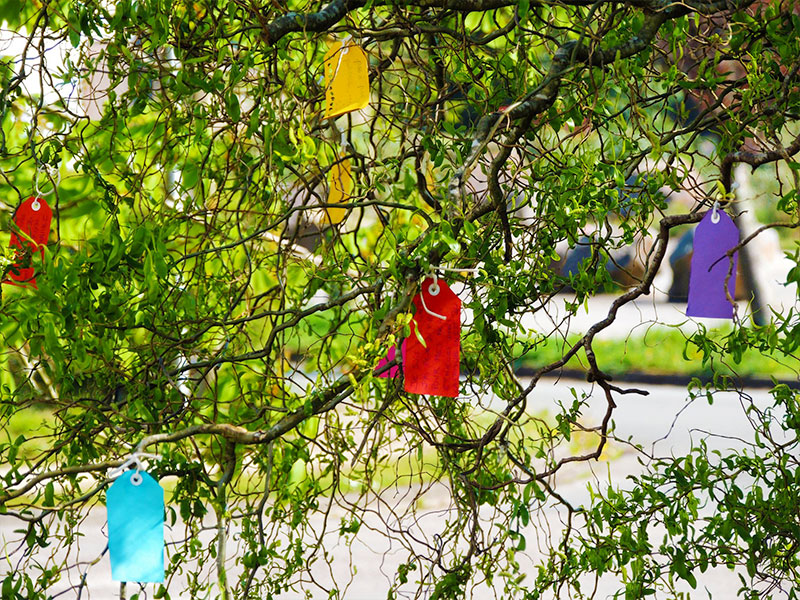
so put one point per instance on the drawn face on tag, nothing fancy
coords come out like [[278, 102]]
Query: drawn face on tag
[[346, 79], [710, 267], [433, 350], [33, 219], [390, 356], [135, 504], [340, 180]]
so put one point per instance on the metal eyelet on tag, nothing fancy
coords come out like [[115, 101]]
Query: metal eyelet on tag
[[434, 289], [35, 205], [136, 479]]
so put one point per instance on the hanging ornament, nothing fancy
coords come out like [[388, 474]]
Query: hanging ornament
[[340, 190], [33, 218], [346, 79], [715, 235], [135, 505], [432, 361], [390, 356]]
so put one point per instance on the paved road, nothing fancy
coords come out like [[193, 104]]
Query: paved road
[[662, 422]]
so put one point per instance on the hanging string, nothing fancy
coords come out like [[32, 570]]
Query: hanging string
[[342, 51], [48, 169], [460, 269], [715, 212], [425, 306], [434, 288], [135, 460]]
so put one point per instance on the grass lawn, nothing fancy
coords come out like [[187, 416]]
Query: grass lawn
[[665, 351]]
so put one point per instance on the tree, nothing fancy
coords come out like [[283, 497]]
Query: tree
[[202, 298]]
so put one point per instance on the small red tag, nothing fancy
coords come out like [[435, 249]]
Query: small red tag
[[433, 368], [33, 218]]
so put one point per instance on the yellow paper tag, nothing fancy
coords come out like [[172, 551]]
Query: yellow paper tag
[[340, 190], [346, 80]]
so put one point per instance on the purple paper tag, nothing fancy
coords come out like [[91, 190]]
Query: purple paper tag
[[710, 267], [394, 371]]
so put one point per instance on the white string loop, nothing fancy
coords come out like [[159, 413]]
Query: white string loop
[[342, 51], [715, 212], [459, 269], [433, 290], [48, 169], [428, 310], [135, 460]]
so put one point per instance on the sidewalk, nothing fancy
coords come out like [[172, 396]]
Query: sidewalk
[[635, 318]]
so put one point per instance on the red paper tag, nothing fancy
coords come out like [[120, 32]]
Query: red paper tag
[[33, 218], [433, 368]]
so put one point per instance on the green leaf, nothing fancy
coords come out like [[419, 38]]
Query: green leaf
[[49, 494], [523, 6], [232, 106]]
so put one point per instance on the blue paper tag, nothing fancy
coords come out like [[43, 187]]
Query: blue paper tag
[[136, 528]]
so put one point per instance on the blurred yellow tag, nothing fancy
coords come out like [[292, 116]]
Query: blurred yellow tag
[[346, 80], [340, 190], [430, 179]]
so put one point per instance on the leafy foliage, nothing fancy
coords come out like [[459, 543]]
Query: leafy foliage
[[196, 301]]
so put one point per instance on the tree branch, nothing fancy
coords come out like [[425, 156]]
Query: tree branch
[[754, 159]]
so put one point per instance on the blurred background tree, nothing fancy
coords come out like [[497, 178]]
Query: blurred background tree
[[199, 299]]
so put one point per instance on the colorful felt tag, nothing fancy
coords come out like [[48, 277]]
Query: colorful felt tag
[[346, 79], [135, 504], [33, 218], [433, 350], [390, 356], [710, 267], [340, 190]]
